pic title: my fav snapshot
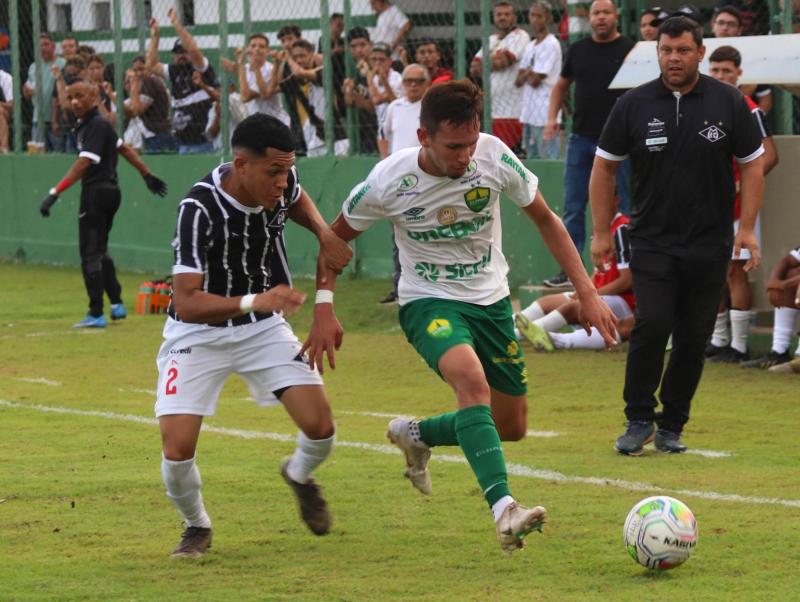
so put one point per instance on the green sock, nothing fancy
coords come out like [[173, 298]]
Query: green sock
[[439, 430], [478, 438]]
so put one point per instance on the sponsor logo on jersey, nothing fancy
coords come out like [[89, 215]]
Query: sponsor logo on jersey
[[458, 230], [408, 182], [447, 215], [183, 351], [357, 197], [477, 198], [439, 328], [712, 133], [655, 141], [516, 166], [457, 271], [428, 271], [655, 122], [415, 214]]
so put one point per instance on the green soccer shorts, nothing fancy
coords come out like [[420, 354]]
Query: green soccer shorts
[[433, 326]]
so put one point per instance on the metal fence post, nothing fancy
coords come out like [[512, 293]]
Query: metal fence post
[[119, 68], [461, 43], [327, 74], [224, 107], [16, 74], [349, 73], [785, 119], [486, 30], [247, 23], [141, 26], [39, 135]]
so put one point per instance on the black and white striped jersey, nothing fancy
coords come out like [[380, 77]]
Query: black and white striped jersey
[[238, 249]]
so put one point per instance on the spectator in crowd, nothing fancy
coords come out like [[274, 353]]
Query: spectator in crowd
[[429, 55], [727, 23], [538, 72], [385, 84], [305, 102], [356, 91], [6, 107], [648, 31], [753, 15], [782, 293], [69, 47], [337, 63], [336, 23], [391, 28], [505, 49], [287, 35], [95, 68], [237, 111], [591, 63], [399, 131], [47, 54], [255, 77], [62, 118], [190, 103], [149, 101]]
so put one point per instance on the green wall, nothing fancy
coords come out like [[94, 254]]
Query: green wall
[[145, 223]]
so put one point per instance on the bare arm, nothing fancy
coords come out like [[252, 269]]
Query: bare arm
[[132, 157], [189, 43], [557, 97], [752, 194], [502, 59], [78, 169], [770, 156], [152, 65], [476, 68], [244, 88], [601, 196], [334, 252]]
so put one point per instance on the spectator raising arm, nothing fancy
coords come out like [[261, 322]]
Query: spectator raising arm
[[188, 42], [154, 67]]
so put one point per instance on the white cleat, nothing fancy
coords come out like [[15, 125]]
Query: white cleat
[[404, 433], [516, 522]]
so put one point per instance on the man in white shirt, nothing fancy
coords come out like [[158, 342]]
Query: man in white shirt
[[399, 131], [255, 78], [6, 106], [392, 26], [385, 84], [538, 72], [505, 49]]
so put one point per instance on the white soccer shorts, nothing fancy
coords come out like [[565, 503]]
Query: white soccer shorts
[[194, 362], [616, 304], [744, 255]]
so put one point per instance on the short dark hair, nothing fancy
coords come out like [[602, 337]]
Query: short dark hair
[[336, 16], [70, 38], [289, 30], [139, 58], [304, 44], [502, 3], [259, 131], [426, 42], [86, 49], [47, 36], [650, 11], [382, 48], [674, 27], [731, 10], [77, 62], [460, 102], [95, 58], [259, 36], [726, 53], [356, 33]]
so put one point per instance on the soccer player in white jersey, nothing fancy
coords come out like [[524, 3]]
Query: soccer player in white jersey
[[443, 201], [232, 292]]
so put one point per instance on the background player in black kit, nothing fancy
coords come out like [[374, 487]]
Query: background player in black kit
[[96, 168]]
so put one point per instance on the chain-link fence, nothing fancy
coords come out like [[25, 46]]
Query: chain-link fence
[[179, 75]]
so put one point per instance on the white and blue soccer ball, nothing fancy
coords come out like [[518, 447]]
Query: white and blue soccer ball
[[660, 532]]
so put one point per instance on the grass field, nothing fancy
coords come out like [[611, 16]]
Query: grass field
[[83, 515]]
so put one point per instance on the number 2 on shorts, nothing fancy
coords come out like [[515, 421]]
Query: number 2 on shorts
[[172, 376]]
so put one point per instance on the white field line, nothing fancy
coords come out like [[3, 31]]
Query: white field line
[[55, 333], [39, 381], [519, 470]]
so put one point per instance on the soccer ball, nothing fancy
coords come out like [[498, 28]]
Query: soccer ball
[[660, 532]]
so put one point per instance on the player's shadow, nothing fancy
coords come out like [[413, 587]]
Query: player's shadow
[[651, 575]]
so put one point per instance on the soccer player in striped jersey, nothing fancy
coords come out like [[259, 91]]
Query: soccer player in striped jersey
[[232, 293], [729, 341], [443, 200]]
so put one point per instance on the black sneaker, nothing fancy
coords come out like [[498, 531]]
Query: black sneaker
[[390, 299], [729, 355], [637, 435], [712, 349], [773, 358], [194, 542], [560, 280], [669, 442], [313, 508]]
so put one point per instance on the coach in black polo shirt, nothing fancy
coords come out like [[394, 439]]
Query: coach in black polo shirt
[[96, 168], [682, 132]]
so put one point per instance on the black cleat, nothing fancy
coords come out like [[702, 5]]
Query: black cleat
[[638, 434], [669, 442], [389, 299], [712, 350], [773, 358], [560, 280], [729, 355], [313, 508], [194, 542]]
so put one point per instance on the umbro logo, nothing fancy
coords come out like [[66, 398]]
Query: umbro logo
[[712, 133], [414, 211]]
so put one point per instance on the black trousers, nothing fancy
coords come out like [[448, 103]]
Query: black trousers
[[96, 216], [673, 296]]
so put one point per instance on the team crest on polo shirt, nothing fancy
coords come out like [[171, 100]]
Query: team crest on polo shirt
[[477, 198], [712, 133]]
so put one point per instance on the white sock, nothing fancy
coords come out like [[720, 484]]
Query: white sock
[[308, 454], [740, 327], [580, 340], [182, 480], [552, 321], [533, 312], [721, 336], [782, 329], [500, 506]]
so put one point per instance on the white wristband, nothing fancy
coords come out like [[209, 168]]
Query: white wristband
[[324, 296], [246, 304]]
